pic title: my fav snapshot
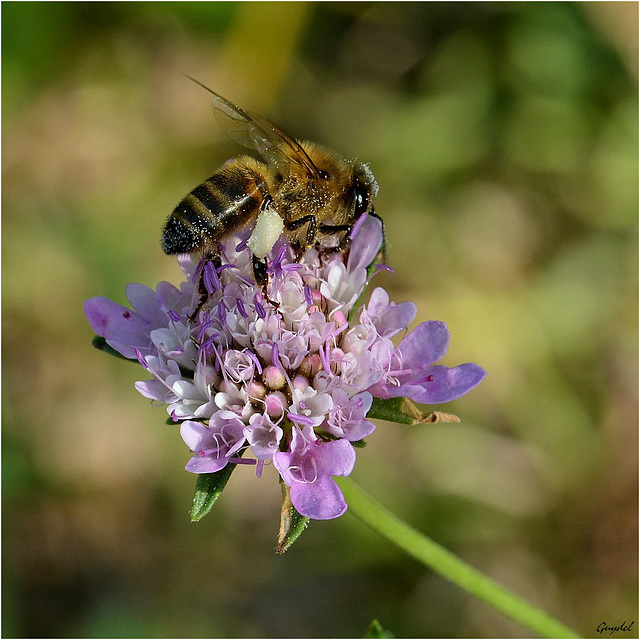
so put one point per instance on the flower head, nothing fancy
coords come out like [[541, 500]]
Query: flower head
[[291, 384]]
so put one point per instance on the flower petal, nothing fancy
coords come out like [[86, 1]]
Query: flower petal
[[116, 324], [366, 244], [320, 500], [426, 344], [206, 464], [196, 435], [445, 384], [337, 457]]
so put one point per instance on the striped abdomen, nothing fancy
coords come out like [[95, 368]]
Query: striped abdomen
[[227, 200]]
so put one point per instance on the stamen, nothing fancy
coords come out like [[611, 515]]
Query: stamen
[[203, 327], [324, 357], [308, 295], [174, 315], [241, 309], [242, 461], [210, 278], [198, 270], [297, 418], [222, 313], [254, 357], [275, 356], [141, 359], [260, 310]]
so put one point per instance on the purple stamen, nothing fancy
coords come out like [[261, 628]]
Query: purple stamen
[[203, 327], [276, 264], [196, 274], [275, 356], [303, 420], [241, 246], [254, 357], [242, 461], [308, 296], [324, 357], [141, 360], [260, 310], [208, 345], [173, 315], [222, 313], [210, 278], [241, 309]]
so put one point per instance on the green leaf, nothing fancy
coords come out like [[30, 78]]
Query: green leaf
[[405, 411], [101, 344], [292, 524], [375, 630], [209, 486]]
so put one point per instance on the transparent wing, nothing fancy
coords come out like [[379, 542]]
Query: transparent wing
[[258, 134]]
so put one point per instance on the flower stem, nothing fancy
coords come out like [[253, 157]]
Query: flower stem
[[448, 564]]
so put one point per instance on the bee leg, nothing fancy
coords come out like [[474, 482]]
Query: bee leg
[[259, 266], [331, 230], [310, 220], [383, 249], [202, 289]]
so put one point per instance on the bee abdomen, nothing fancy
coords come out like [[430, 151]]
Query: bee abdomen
[[212, 210]]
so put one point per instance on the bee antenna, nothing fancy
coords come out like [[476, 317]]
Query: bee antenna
[[200, 83]]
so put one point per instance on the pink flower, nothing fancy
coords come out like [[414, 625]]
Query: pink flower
[[290, 385]]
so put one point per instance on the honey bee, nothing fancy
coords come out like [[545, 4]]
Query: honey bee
[[301, 189]]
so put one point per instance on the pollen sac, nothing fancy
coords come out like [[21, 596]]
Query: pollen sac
[[268, 229]]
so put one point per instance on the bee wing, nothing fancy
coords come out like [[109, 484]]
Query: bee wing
[[257, 133]]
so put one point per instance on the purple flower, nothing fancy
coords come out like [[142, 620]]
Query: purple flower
[[291, 385], [409, 370], [307, 468]]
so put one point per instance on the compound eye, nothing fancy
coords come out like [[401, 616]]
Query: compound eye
[[362, 202]]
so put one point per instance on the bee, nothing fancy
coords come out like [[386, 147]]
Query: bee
[[301, 189]]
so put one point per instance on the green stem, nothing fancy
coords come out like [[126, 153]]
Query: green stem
[[447, 564]]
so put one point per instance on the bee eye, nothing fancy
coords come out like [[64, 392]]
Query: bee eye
[[361, 201], [323, 175]]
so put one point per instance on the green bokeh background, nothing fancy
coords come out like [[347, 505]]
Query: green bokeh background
[[504, 138]]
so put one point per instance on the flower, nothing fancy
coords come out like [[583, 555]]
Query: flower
[[290, 384]]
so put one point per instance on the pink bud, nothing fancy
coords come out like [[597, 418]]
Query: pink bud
[[276, 403], [274, 378]]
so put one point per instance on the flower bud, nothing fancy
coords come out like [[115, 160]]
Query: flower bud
[[276, 404], [274, 378]]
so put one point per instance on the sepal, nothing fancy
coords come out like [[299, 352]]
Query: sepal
[[209, 486], [404, 411], [292, 523]]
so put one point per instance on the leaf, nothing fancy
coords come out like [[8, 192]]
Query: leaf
[[101, 344], [209, 486], [405, 411], [292, 524], [375, 630]]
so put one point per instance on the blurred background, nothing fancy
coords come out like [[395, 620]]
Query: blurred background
[[504, 138]]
